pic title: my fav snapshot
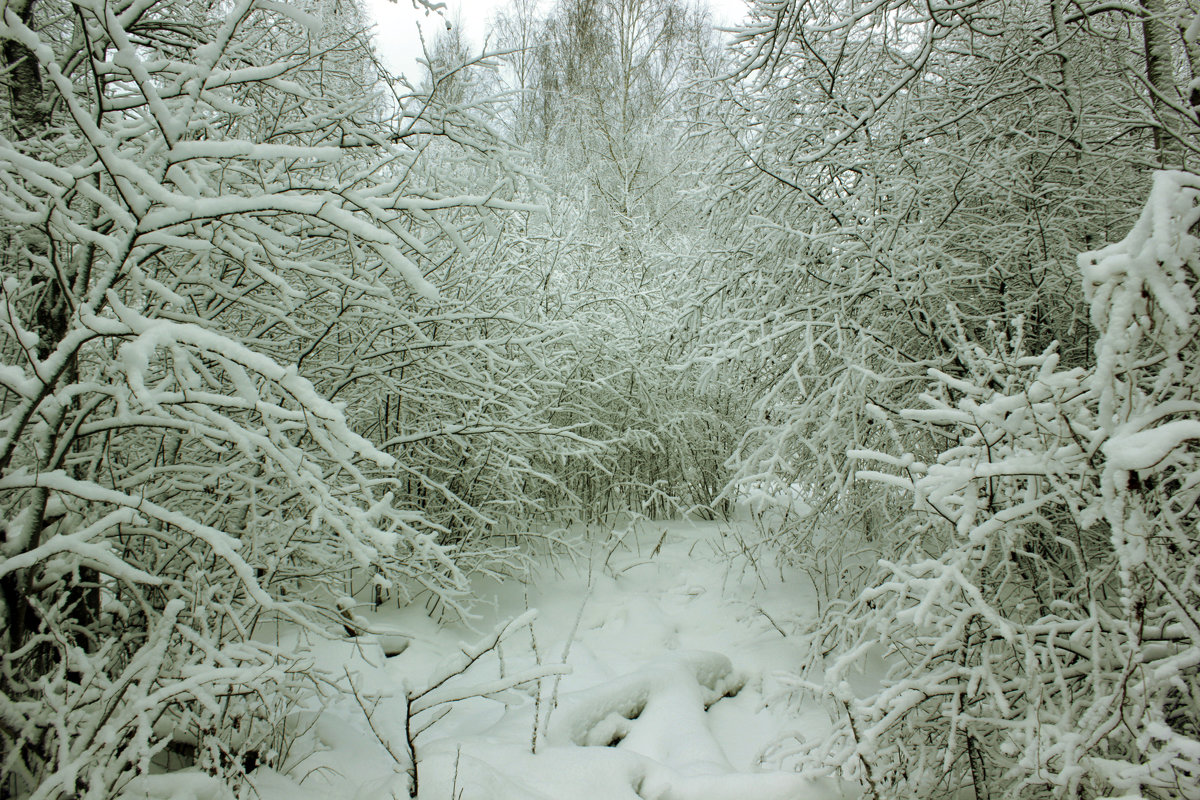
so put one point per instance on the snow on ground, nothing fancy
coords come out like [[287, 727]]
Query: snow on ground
[[674, 636]]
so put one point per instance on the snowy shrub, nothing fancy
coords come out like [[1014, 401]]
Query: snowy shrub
[[1041, 630], [861, 194], [212, 236]]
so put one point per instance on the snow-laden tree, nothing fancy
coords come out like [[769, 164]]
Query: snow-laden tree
[[900, 176], [1040, 632], [220, 250]]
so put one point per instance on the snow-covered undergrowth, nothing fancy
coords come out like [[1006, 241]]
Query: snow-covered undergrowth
[[676, 637], [1043, 628]]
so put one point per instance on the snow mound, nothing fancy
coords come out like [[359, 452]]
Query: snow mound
[[672, 689]]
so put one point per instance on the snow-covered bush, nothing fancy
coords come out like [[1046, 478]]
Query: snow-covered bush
[[881, 162], [1041, 631], [212, 235]]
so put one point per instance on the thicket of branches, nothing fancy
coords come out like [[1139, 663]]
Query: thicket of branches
[[1042, 626], [604, 89], [265, 332], [911, 178], [919, 180], [275, 324]]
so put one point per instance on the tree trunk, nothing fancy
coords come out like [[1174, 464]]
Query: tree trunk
[[53, 272], [27, 108], [1160, 75]]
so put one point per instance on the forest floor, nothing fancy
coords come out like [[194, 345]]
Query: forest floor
[[679, 639]]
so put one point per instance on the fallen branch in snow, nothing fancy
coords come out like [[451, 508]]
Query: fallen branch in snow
[[369, 714], [774, 624], [439, 695]]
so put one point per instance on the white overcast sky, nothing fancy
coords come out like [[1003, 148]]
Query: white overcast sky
[[399, 44]]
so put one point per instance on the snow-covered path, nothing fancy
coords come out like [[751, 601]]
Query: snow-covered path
[[672, 633], [674, 636]]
